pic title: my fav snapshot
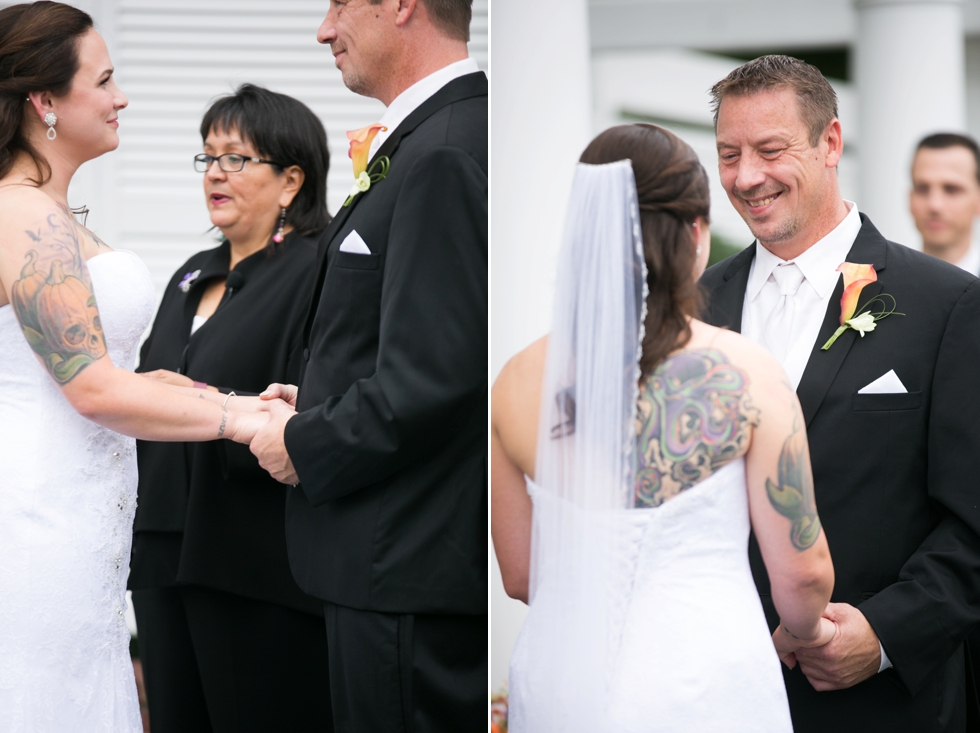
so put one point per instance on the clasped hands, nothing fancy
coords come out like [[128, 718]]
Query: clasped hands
[[261, 421], [844, 652]]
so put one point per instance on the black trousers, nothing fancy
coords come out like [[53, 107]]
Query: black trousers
[[214, 661], [407, 673]]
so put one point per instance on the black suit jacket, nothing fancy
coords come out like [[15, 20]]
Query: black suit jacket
[[207, 513], [391, 441], [897, 480]]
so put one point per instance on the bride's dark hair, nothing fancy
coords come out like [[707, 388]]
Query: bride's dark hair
[[38, 53], [672, 191]]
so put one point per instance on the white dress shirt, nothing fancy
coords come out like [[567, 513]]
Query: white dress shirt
[[819, 266], [408, 101]]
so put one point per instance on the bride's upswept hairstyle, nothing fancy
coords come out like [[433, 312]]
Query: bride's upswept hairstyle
[[672, 191], [38, 53]]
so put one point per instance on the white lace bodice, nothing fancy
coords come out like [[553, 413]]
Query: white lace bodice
[[67, 501]]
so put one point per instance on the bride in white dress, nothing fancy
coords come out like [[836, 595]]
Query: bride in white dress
[[71, 315], [655, 442]]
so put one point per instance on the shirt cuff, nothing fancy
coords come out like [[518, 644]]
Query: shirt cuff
[[885, 661]]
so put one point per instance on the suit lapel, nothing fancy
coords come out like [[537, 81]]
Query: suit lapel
[[463, 87], [725, 306], [822, 367]]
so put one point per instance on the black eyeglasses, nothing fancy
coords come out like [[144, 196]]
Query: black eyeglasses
[[229, 162]]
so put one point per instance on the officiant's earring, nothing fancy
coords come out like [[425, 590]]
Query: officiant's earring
[[280, 234], [51, 119]]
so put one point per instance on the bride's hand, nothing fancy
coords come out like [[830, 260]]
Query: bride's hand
[[244, 425], [786, 644]]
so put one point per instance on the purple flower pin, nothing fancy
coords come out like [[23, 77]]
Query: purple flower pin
[[185, 283]]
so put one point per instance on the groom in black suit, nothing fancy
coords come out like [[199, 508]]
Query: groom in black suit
[[388, 522], [891, 414]]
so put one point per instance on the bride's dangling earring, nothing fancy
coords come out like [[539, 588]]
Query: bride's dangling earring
[[280, 234], [51, 119]]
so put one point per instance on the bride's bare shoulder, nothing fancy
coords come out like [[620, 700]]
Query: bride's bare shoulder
[[15, 195], [519, 383], [515, 400], [26, 210], [747, 356], [525, 364], [29, 217]]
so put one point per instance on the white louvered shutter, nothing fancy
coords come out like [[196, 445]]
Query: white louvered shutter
[[172, 59]]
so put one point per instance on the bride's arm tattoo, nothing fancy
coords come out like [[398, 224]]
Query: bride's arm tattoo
[[88, 232], [694, 417], [54, 302], [792, 494]]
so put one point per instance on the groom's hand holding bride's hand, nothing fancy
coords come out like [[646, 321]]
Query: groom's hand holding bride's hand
[[269, 444], [852, 656], [787, 645]]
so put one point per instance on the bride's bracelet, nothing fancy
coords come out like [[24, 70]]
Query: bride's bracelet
[[230, 395]]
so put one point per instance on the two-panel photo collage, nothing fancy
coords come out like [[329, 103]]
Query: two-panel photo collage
[[308, 423]]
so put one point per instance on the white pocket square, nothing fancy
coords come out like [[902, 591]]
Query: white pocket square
[[885, 384], [354, 244]]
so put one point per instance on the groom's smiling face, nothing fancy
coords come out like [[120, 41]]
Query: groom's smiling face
[[782, 185]]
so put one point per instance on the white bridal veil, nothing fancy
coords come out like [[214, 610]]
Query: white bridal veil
[[580, 555]]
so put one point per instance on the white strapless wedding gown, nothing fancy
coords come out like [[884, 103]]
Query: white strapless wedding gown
[[67, 500], [695, 651]]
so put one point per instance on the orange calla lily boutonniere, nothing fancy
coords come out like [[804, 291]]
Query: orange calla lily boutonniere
[[360, 146], [856, 277]]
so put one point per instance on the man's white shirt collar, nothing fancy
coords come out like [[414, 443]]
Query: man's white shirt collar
[[819, 263], [411, 99]]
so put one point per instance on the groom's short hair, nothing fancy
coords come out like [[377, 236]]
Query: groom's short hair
[[817, 100], [452, 17]]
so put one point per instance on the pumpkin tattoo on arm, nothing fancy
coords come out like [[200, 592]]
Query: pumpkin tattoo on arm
[[54, 303], [792, 493]]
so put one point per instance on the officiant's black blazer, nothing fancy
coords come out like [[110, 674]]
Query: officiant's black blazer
[[207, 514], [897, 480], [391, 441]]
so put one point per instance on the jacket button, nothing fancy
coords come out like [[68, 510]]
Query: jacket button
[[306, 354]]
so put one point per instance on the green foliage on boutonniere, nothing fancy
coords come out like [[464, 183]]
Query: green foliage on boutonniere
[[365, 179]]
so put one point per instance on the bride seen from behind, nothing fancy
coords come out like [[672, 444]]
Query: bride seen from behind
[[72, 311], [650, 458]]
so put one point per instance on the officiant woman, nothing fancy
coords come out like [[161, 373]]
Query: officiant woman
[[227, 639]]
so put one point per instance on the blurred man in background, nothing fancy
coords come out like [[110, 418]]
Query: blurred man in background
[[945, 198]]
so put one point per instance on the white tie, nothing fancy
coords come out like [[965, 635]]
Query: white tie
[[779, 328]]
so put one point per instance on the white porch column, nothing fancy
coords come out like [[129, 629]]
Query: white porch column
[[541, 120], [910, 73]]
